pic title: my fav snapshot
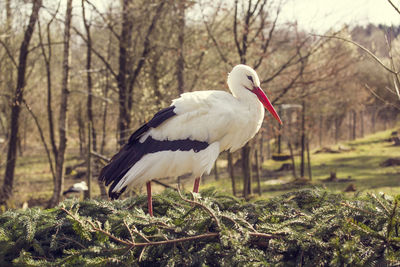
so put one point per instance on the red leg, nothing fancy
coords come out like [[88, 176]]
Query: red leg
[[196, 185], [149, 199]]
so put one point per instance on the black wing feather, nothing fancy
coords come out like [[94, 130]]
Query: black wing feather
[[131, 152]]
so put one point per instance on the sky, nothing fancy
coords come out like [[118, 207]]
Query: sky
[[321, 15]]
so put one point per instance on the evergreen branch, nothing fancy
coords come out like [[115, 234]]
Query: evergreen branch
[[390, 219], [330, 229], [97, 229], [365, 229], [202, 206], [356, 208], [140, 234], [130, 232], [380, 203]]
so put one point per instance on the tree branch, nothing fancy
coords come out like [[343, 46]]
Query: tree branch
[[35, 118], [362, 48], [132, 244], [107, 64], [395, 7], [9, 54], [109, 26]]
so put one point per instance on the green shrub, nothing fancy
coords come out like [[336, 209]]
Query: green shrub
[[303, 228]]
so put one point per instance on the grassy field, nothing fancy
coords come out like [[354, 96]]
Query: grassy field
[[33, 182], [361, 163]]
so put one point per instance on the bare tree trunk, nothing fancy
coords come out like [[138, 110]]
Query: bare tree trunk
[[92, 131], [231, 172], [63, 118], [349, 126], [124, 67], [6, 191], [247, 172], [9, 69], [292, 158], [180, 62], [362, 123], [105, 105], [125, 85], [321, 127], [88, 193], [262, 147], [373, 120], [89, 77], [258, 176], [309, 160], [81, 130], [303, 139], [338, 123], [216, 175], [354, 124], [279, 141], [47, 62]]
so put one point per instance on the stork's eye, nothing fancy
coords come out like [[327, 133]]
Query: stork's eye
[[250, 78]]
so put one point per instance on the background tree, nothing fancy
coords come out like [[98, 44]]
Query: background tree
[[63, 117], [16, 103]]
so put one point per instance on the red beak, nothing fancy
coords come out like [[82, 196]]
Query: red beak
[[264, 100]]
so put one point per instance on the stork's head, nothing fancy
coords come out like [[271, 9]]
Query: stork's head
[[243, 81]]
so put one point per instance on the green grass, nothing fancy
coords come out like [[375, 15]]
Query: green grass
[[362, 164]]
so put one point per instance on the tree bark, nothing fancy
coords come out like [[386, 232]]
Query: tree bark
[[354, 126], [6, 191], [93, 134], [247, 172], [321, 127], [303, 139], [63, 118], [216, 174], [180, 62], [231, 172], [124, 61], [309, 160], [9, 70], [47, 62], [126, 84], [105, 106], [258, 176], [89, 77], [292, 158], [362, 123]]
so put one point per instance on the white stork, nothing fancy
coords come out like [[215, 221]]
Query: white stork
[[188, 136]]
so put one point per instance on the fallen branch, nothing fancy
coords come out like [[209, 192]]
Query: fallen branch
[[131, 244]]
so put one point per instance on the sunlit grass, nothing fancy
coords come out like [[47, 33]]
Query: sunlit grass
[[361, 164]]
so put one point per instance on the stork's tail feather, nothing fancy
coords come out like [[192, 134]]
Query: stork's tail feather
[[118, 167], [132, 152], [115, 195]]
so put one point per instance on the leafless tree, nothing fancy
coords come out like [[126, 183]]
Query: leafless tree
[[6, 191], [63, 117]]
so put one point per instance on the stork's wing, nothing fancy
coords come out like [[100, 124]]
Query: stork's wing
[[131, 152], [205, 116]]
